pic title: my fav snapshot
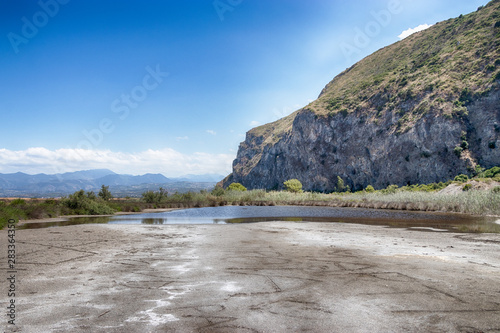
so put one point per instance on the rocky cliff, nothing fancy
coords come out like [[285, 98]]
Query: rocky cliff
[[419, 111]]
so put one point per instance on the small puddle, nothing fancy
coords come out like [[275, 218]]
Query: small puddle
[[422, 221]]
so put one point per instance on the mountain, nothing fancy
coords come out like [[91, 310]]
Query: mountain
[[421, 110], [201, 178], [41, 185], [86, 174], [128, 180]]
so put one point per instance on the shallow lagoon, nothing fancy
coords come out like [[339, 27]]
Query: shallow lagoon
[[439, 222]]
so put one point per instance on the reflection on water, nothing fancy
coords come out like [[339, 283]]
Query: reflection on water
[[437, 222]]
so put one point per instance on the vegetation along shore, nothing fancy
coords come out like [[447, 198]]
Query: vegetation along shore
[[477, 196]]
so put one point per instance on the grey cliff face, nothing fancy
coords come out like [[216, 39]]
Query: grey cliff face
[[362, 152]]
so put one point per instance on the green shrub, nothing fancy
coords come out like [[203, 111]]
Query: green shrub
[[467, 187], [218, 191], [490, 173], [155, 197], [82, 203], [236, 187], [340, 184], [293, 185], [17, 202], [461, 178], [369, 189], [188, 196], [149, 196], [390, 189], [458, 151], [496, 190]]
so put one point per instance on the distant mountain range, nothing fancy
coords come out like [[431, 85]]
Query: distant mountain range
[[42, 185]]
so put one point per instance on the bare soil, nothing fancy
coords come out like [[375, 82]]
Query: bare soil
[[262, 277]]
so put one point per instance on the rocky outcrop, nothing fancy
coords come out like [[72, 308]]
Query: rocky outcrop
[[318, 149], [419, 111]]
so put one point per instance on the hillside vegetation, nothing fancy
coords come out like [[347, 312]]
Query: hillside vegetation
[[442, 69]]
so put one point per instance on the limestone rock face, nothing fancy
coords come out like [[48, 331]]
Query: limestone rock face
[[421, 110], [318, 149]]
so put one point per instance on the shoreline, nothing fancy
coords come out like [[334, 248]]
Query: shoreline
[[65, 218], [160, 210]]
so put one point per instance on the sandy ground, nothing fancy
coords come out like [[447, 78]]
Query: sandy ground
[[262, 277]]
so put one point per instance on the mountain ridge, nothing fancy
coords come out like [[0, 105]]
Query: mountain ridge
[[22, 184]]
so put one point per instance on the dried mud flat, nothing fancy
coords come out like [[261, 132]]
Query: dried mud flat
[[262, 277]]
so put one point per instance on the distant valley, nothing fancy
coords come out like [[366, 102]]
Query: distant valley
[[42, 185]]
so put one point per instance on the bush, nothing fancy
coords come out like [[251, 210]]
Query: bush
[[369, 189], [155, 197], [490, 173], [17, 202], [236, 187], [461, 178], [340, 184], [293, 185], [391, 189], [458, 151], [467, 187], [83, 203], [496, 190], [218, 191], [188, 196]]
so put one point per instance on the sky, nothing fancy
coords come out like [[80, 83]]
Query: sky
[[171, 87]]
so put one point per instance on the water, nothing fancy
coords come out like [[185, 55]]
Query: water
[[251, 214]]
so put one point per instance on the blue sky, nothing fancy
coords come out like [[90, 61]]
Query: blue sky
[[171, 87]]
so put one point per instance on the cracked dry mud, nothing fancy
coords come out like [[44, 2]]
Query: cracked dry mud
[[262, 277]]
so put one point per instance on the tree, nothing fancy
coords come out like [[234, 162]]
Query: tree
[[340, 184], [236, 187], [293, 185], [155, 197], [218, 191], [91, 195], [369, 189], [104, 193]]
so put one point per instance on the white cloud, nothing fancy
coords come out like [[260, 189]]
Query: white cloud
[[254, 123], [182, 138], [410, 31], [212, 132], [166, 161]]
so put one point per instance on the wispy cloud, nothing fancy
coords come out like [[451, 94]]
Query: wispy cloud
[[167, 161], [212, 132], [411, 31], [182, 138], [254, 123]]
